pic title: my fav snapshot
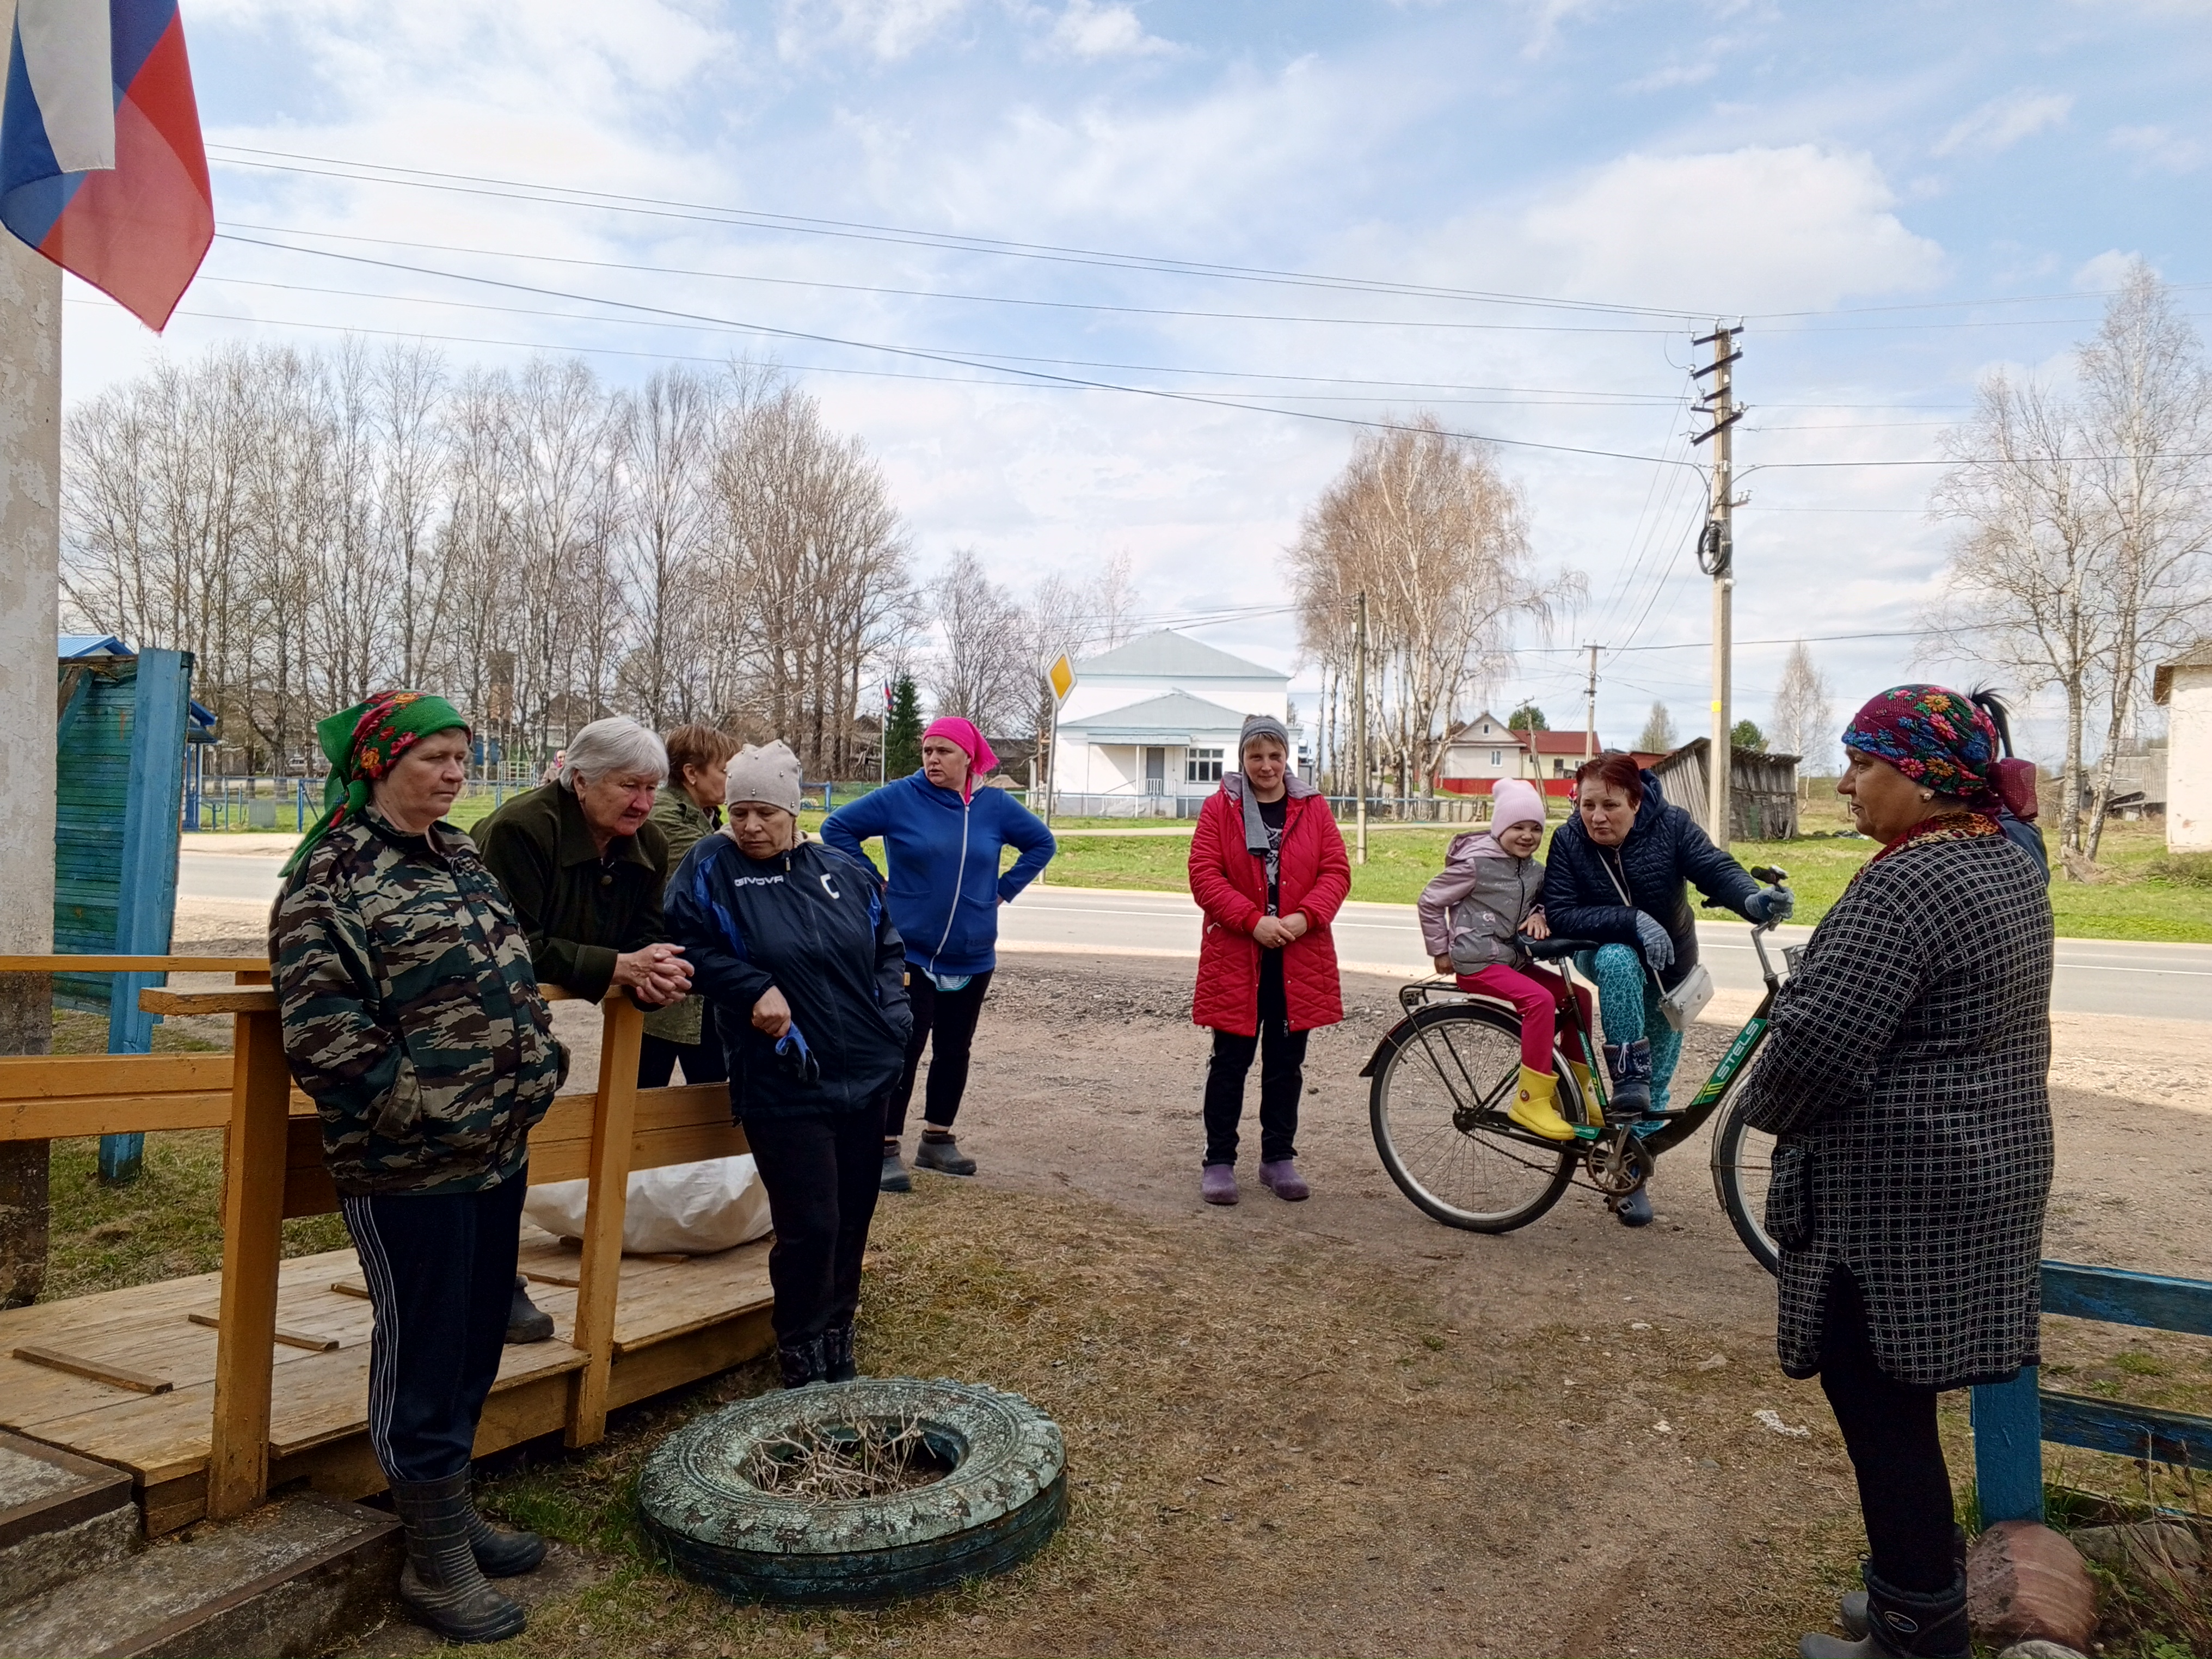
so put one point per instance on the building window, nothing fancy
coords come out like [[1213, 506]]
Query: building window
[[1497, 757], [1201, 766]]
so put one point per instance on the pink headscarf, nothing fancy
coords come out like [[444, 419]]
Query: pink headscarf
[[981, 761]]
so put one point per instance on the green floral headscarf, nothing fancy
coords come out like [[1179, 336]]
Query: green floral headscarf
[[362, 744]]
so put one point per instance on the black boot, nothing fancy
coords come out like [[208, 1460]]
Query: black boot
[[1903, 1625], [441, 1580], [525, 1321], [1629, 1065], [802, 1362], [937, 1150], [1852, 1611], [502, 1551], [837, 1354]]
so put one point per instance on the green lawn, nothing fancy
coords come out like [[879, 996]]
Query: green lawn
[[2137, 903]]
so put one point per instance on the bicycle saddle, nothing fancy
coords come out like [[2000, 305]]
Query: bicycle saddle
[[1551, 950]]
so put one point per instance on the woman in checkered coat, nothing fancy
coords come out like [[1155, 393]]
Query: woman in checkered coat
[[1904, 1081]]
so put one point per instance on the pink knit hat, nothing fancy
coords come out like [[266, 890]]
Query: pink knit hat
[[1514, 800]]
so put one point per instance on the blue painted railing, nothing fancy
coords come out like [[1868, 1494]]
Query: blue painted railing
[[2013, 1419]]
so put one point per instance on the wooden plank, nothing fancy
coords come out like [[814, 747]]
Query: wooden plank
[[53, 1120], [569, 1281], [600, 1271], [2120, 1298], [312, 1341], [128, 964], [2107, 1426], [239, 1000], [2008, 1450], [64, 1076], [99, 1370], [252, 1218], [665, 1366], [350, 1287]]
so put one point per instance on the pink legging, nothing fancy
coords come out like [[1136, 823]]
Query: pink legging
[[1542, 997]]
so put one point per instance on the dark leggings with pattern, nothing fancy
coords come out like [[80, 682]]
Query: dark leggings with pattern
[[1889, 1429]]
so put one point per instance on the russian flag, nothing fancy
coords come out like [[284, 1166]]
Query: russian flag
[[101, 168]]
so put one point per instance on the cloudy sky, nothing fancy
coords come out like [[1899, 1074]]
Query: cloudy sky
[[989, 235]]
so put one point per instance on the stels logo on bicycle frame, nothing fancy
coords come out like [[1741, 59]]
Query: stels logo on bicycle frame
[[1442, 1079]]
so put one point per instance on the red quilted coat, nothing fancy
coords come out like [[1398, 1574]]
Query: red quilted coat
[[1230, 886]]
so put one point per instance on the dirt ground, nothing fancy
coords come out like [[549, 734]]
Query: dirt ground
[[1337, 1427]]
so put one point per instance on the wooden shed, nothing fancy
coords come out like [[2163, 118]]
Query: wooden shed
[[1762, 789]]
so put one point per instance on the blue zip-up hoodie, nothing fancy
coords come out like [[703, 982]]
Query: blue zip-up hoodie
[[810, 923], [944, 858]]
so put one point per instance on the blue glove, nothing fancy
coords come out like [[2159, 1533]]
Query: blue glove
[[1658, 949], [796, 1058], [1769, 904]]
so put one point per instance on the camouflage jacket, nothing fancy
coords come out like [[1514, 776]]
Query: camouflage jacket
[[411, 1016]]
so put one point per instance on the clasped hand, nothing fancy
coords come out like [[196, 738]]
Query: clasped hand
[[655, 975], [772, 1014], [1273, 932]]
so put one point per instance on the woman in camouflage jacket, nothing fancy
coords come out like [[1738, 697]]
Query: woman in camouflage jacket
[[413, 1020]]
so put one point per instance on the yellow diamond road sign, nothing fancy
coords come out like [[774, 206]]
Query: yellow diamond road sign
[[1062, 676]]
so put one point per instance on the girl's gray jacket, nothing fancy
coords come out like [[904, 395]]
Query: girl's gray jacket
[[1472, 911]]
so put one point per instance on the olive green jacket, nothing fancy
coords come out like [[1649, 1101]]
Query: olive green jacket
[[580, 910], [681, 824]]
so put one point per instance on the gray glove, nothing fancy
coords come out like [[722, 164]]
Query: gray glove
[[1769, 904], [1658, 949]]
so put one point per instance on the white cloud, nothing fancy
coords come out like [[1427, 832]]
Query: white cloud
[[886, 29], [1742, 230], [2003, 122], [1087, 29], [2104, 273], [2159, 148], [1676, 75]]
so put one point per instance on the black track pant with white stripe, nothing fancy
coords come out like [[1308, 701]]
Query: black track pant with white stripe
[[439, 1268]]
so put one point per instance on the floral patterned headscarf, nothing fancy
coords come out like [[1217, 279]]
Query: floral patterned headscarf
[[362, 742], [1936, 737]]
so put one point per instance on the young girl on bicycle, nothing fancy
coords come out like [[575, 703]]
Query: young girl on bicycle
[[1489, 891]]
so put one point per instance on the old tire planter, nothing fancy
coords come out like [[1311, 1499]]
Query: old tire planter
[[1006, 1494]]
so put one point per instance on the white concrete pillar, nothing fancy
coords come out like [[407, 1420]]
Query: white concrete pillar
[[30, 560]]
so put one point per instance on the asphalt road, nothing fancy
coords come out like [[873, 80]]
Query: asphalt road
[[2096, 976]]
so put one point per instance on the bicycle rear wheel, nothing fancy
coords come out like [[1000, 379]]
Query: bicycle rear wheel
[[1743, 1160], [1437, 1107]]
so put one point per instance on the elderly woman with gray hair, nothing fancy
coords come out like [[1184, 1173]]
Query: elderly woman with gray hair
[[1269, 869], [583, 866]]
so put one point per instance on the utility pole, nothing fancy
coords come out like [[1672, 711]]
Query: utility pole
[[1589, 710], [1716, 558], [1359, 725]]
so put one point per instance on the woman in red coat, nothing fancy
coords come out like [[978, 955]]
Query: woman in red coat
[[1268, 867]]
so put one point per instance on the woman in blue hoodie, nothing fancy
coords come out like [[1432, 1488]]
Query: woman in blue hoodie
[[942, 837]]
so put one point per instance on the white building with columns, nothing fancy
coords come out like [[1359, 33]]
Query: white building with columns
[[1150, 726]]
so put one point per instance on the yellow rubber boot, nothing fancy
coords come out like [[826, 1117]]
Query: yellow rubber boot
[[1535, 1108], [1583, 1087]]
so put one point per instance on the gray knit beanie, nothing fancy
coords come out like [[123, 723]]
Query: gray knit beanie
[[769, 774], [1262, 725]]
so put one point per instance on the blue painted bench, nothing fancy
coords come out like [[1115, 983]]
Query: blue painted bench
[[2013, 1419]]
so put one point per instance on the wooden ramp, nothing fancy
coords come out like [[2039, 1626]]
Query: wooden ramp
[[214, 1390], [675, 1320]]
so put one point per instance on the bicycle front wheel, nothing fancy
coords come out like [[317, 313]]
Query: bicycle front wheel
[[1743, 1162], [1437, 1106]]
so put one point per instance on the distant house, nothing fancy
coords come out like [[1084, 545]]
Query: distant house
[[1485, 749], [2183, 688], [1151, 725]]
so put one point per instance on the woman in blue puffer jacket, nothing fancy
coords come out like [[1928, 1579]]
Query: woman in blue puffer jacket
[[942, 838], [1618, 872]]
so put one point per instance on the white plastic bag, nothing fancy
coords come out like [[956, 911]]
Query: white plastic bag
[[696, 1208]]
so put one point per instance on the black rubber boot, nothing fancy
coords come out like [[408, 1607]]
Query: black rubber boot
[[441, 1581], [893, 1178], [1903, 1625], [1629, 1065], [1635, 1210], [502, 1551], [525, 1321], [940, 1151], [802, 1362], [1852, 1611], [837, 1361]]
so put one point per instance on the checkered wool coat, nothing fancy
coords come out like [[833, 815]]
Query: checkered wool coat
[[1906, 1079]]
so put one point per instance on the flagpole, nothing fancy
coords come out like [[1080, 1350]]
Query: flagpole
[[30, 564]]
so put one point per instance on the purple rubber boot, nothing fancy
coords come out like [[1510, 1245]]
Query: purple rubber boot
[[1219, 1185], [1282, 1178]]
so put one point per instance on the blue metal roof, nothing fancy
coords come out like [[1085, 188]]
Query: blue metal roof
[[78, 646]]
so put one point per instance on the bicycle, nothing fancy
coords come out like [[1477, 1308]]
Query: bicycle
[[1443, 1076]]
